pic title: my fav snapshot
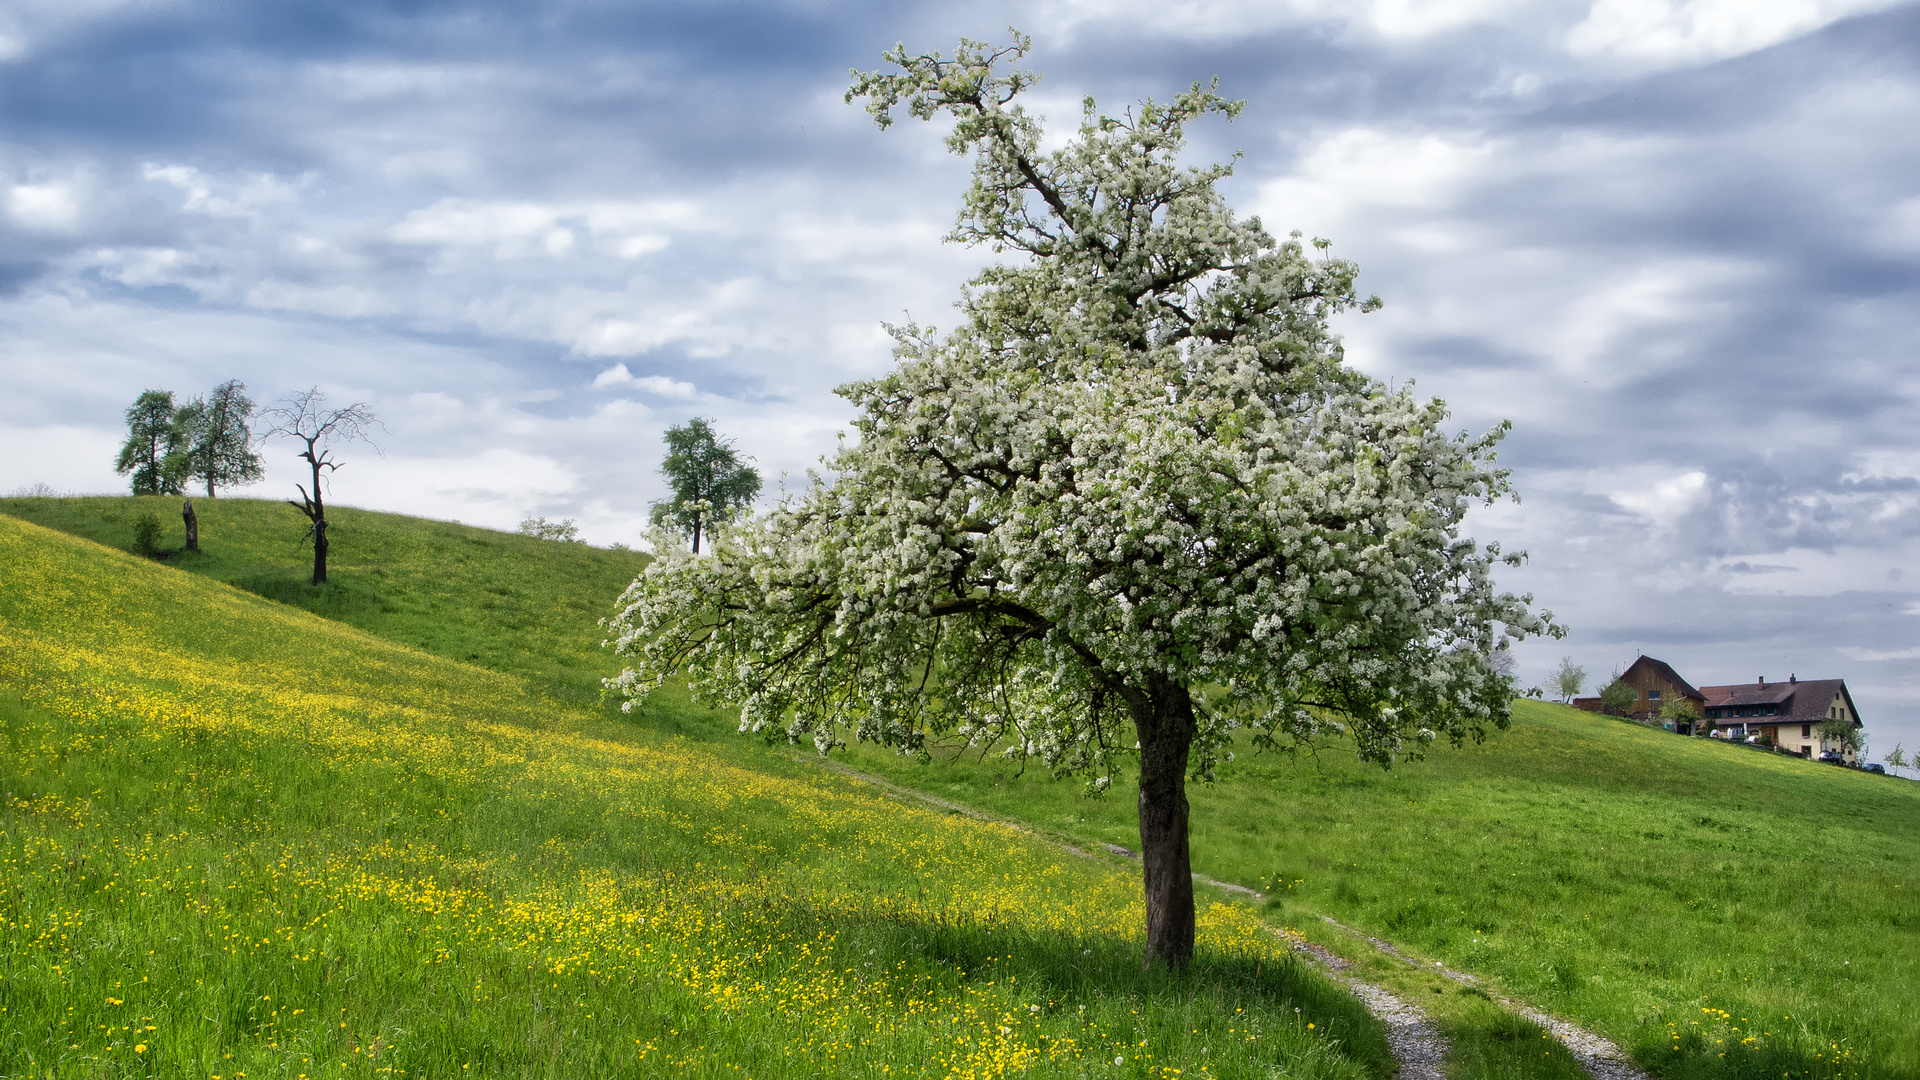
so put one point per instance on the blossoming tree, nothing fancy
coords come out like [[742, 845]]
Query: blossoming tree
[[1133, 504]]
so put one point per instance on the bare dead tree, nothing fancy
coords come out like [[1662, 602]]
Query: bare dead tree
[[305, 418]]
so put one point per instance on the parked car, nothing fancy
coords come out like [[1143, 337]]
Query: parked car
[[1875, 767], [1832, 758]]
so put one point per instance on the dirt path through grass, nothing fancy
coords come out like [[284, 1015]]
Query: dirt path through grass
[[1417, 1045], [1596, 1053]]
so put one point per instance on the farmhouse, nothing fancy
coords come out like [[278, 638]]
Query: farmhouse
[[1788, 714], [1654, 685]]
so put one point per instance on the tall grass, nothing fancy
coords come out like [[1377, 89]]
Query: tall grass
[[240, 841]]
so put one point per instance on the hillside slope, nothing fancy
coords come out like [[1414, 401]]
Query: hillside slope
[[1639, 882], [498, 600], [1721, 912], [240, 840]]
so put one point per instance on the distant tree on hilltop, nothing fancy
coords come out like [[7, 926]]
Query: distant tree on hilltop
[[1569, 679], [153, 452], [564, 530], [219, 438], [305, 418], [710, 483]]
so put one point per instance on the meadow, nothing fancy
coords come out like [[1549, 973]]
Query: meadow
[[497, 600], [240, 840], [1718, 912]]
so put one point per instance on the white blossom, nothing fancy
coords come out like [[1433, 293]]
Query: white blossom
[[1136, 488]]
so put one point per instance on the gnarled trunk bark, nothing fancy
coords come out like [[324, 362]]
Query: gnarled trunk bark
[[320, 549], [192, 522], [1163, 718]]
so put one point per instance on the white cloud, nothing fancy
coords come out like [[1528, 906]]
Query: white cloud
[[1663, 502], [1900, 230], [239, 195], [518, 230], [43, 206], [65, 457], [1660, 292], [1871, 655], [515, 229], [1661, 33], [1365, 170], [494, 486], [1886, 464], [1209, 20], [657, 385], [25, 24], [1799, 571], [146, 267]]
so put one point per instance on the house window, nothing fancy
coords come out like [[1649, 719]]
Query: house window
[[1806, 731], [1653, 695]]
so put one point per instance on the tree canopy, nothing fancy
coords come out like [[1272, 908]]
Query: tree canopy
[[1132, 504], [154, 450], [1569, 679], [219, 438], [1618, 696], [709, 481]]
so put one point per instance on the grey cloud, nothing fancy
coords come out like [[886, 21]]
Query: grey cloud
[[1691, 288]]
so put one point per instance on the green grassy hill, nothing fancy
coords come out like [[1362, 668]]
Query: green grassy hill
[[1720, 912], [499, 600], [241, 840]]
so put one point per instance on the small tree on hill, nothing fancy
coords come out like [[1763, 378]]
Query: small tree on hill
[[146, 534], [710, 483], [219, 438], [1569, 679], [1896, 759], [154, 446], [304, 418], [1843, 732], [1617, 697], [1133, 502], [564, 531], [1682, 712]]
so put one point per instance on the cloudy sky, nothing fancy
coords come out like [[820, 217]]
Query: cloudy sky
[[1676, 242]]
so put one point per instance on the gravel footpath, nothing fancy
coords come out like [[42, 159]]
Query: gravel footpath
[[1595, 1053], [1419, 1049]]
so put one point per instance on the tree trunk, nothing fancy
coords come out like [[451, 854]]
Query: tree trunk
[[320, 550], [193, 525], [1163, 718], [697, 522]]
